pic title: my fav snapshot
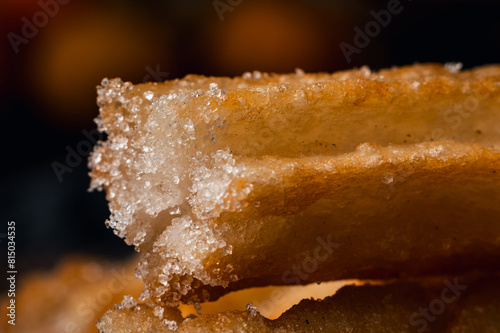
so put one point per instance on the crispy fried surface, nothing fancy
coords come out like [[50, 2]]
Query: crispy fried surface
[[77, 292], [397, 307], [70, 298], [441, 217], [368, 175], [480, 310]]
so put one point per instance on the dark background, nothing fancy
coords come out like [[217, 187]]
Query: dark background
[[47, 91]]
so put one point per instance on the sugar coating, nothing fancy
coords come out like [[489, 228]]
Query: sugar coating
[[157, 161], [141, 318], [178, 155]]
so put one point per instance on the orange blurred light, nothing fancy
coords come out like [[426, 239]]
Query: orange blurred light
[[277, 37], [75, 51]]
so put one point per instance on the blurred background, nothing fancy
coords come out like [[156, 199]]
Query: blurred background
[[54, 53]]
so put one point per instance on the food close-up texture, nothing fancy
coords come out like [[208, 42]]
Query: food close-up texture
[[250, 166], [226, 183], [448, 307]]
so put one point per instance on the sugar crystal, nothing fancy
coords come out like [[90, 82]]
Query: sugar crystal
[[128, 302], [453, 67], [170, 324], [252, 309], [158, 311]]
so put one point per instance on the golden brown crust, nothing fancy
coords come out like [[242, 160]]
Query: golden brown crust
[[70, 298], [214, 178], [443, 305], [480, 309], [62, 300], [444, 193]]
